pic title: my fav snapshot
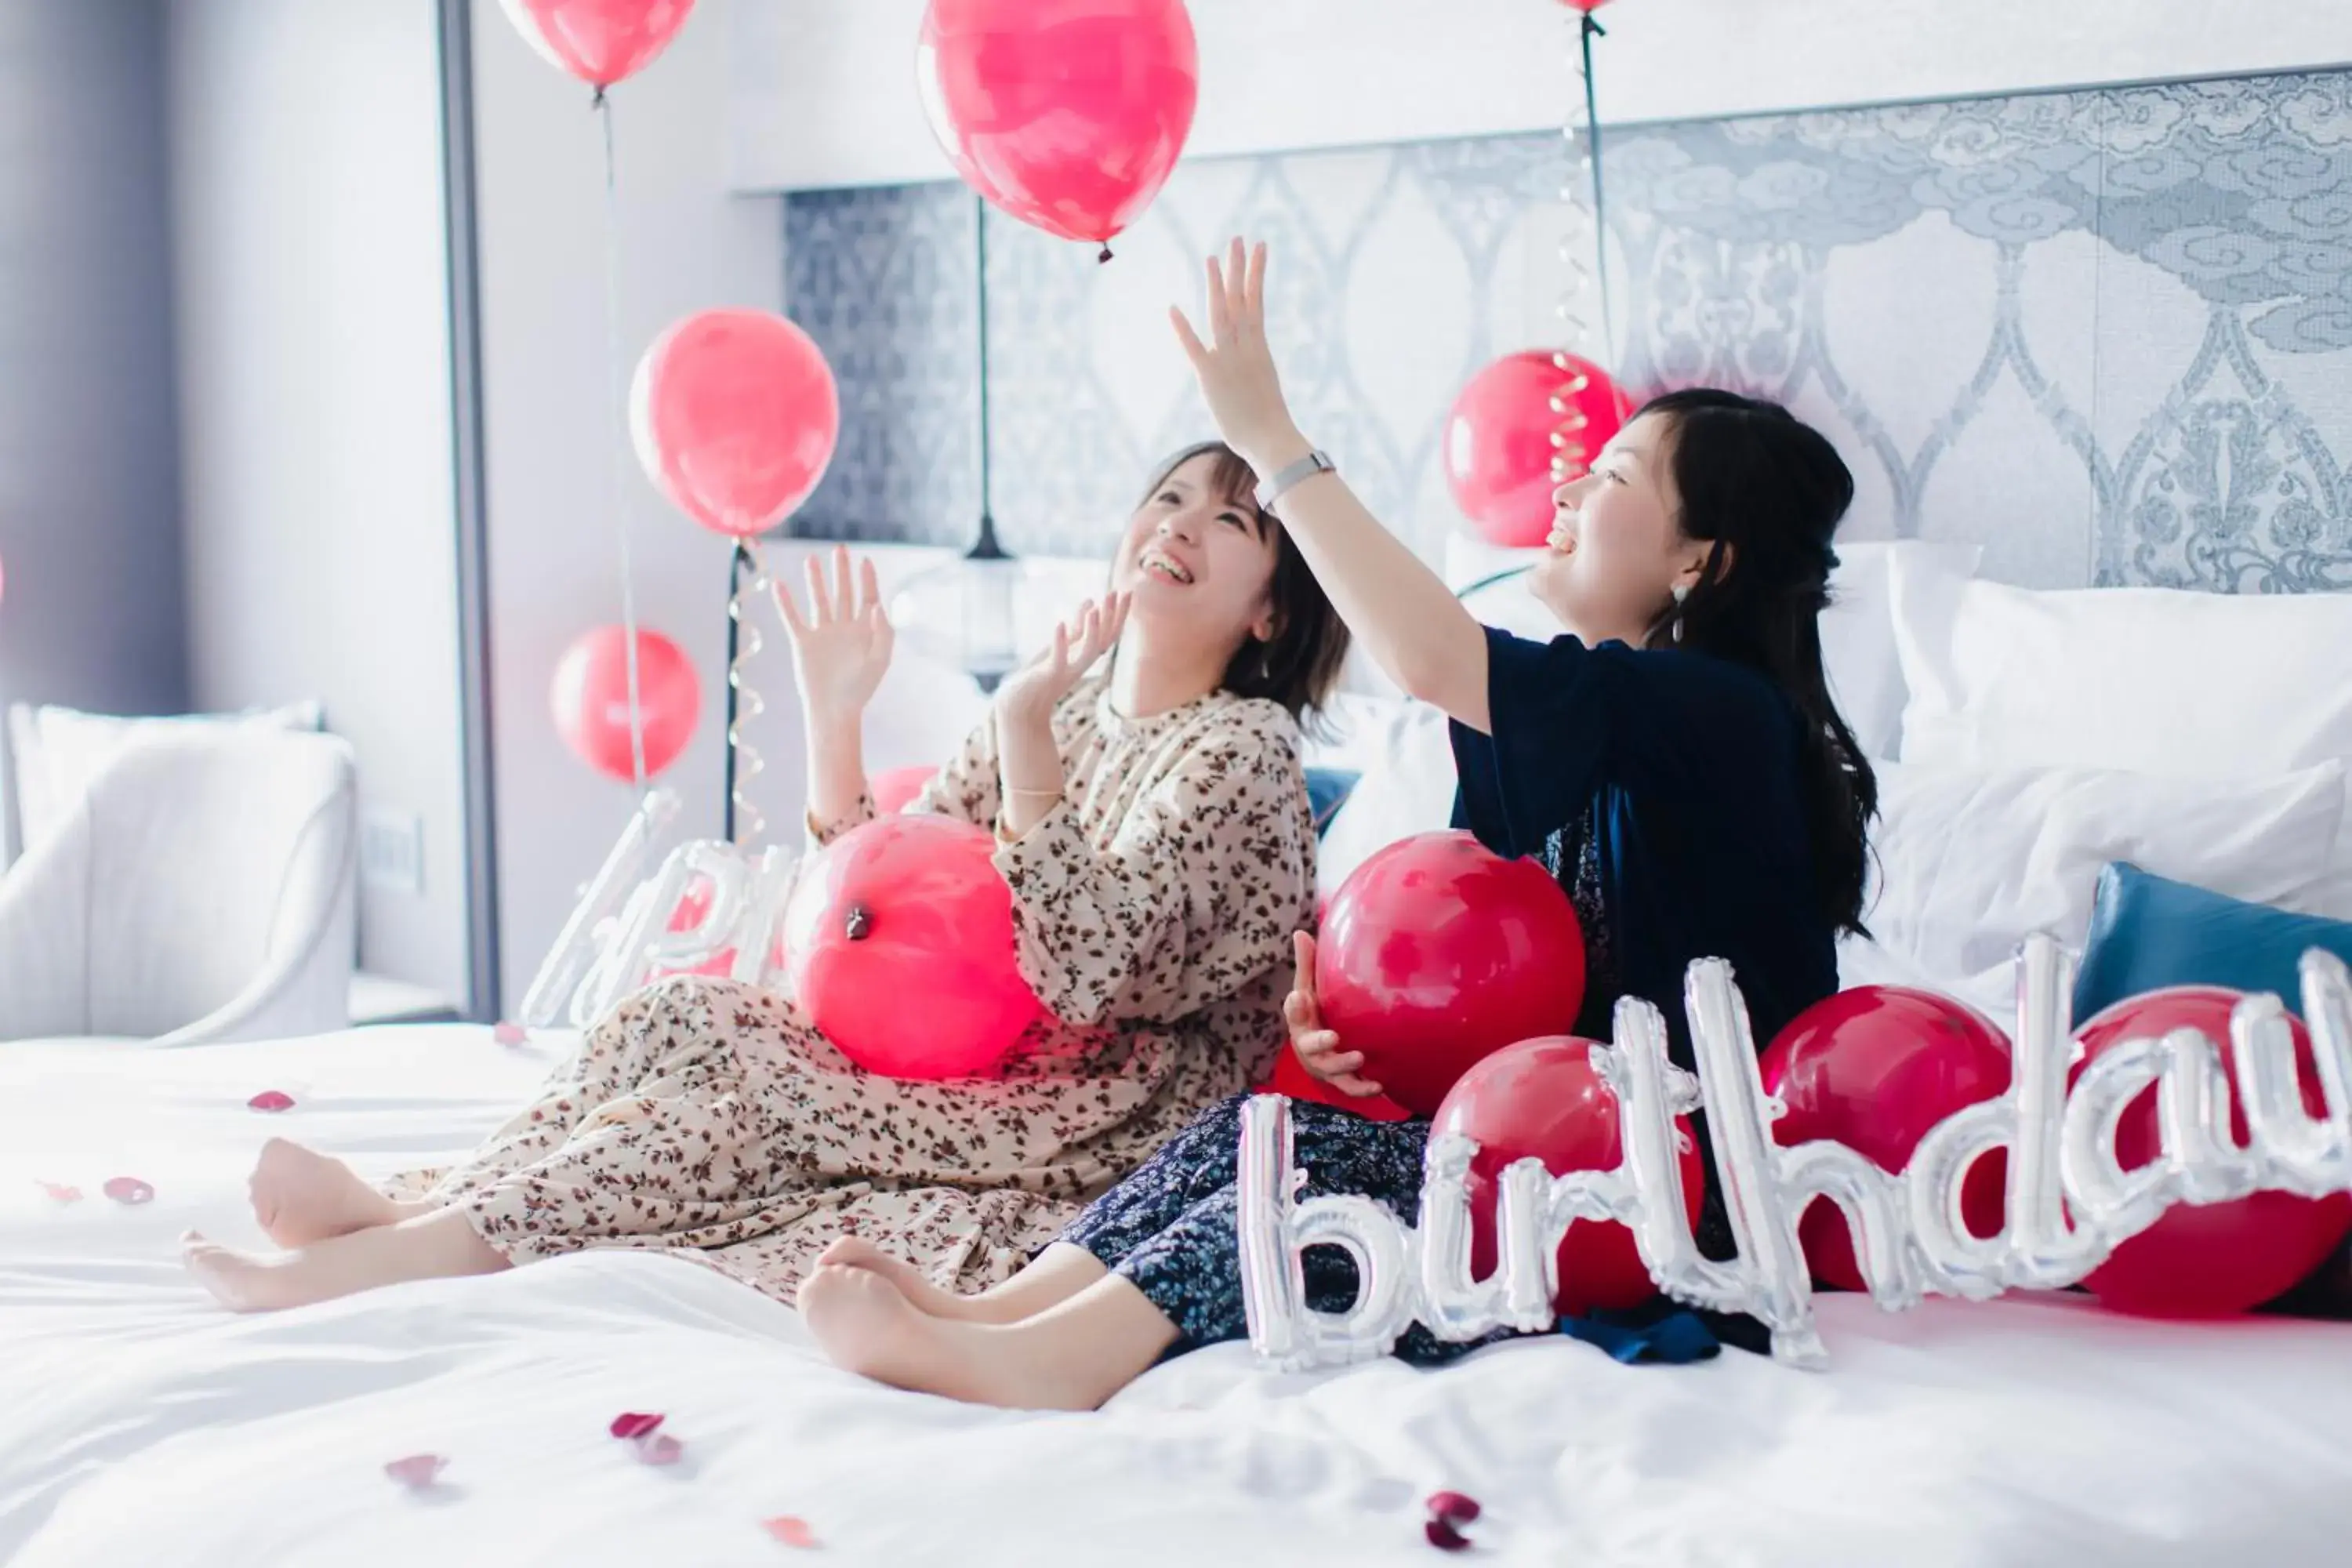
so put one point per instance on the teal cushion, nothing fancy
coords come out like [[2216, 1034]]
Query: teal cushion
[[2148, 933]]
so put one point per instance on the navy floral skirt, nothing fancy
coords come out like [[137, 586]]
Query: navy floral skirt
[[1169, 1228]]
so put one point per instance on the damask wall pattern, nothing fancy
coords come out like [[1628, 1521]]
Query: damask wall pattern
[[2106, 334]]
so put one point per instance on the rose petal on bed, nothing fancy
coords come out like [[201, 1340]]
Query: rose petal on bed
[[1445, 1537], [416, 1469], [791, 1531], [660, 1448], [271, 1100], [632, 1423], [507, 1034], [58, 1191], [129, 1190], [1454, 1508]]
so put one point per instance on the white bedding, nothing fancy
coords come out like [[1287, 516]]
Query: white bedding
[[142, 1427]]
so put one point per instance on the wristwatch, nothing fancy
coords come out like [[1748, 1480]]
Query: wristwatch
[[1306, 468]]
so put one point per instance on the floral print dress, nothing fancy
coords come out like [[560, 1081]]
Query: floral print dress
[[1153, 909]]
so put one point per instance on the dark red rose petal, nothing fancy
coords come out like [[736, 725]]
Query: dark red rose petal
[[1454, 1508], [1445, 1537], [634, 1425], [272, 1100], [129, 1190]]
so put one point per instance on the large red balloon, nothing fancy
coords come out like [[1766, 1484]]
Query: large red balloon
[[1544, 1100], [735, 415], [1876, 1068], [1291, 1078], [591, 700], [1068, 115], [1499, 446], [2207, 1260], [899, 945], [1436, 953], [896, 790], [599, 41]]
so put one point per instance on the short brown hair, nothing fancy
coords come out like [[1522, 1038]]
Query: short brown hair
[[1299, 665]]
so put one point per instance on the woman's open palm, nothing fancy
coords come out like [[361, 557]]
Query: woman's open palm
[[841, 644]]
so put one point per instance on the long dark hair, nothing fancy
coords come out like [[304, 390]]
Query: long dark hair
[[1768, 491], [1300, 663]]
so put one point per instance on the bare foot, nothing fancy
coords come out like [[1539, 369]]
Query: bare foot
[[301, 1197], [868, 1327], [856, 1252], [247, 1283]]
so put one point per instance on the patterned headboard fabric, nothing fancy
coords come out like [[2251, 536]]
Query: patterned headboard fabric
[[2108, 335]]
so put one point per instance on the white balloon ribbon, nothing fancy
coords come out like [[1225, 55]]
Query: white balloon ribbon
[[2070, 1200]]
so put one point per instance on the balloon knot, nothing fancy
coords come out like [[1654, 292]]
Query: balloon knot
[[1105, 253], [598, 102], [858, 924]]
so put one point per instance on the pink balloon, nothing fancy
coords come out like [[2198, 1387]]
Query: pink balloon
[[1068, 115], [590, 698], [898, 942], [896, 790], [735, 416], [1499, 443], [599, 41]]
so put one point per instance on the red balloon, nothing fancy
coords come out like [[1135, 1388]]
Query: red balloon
[[735, 416], [899, 943], [599, 41], [2214, 1260], [1876, 1068], [1436, 953], [1587, 6], [896, 790], [1499, 440], [1543, 1099], [590, 698], [1068, 115]]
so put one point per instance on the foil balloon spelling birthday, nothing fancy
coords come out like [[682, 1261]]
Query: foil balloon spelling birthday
[[2070, 1201]]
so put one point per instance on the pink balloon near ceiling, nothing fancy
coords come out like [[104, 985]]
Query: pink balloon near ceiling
[[1068, 115], [599, 41], [735, 415]]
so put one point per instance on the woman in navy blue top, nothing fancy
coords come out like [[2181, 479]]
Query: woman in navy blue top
[[1673, 758]]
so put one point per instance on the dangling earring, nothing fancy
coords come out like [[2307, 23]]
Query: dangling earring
[[1681, 593]]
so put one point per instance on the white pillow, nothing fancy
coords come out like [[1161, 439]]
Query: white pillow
[[1971, 860], [1858, 640], [2158, 681], [1407, 761], [58, 751]]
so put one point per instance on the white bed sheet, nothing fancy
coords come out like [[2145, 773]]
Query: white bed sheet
[[141, 1425]]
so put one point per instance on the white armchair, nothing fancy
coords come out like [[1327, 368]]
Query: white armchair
[[202, 891]]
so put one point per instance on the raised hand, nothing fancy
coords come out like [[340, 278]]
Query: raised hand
[[1086, 637], [1319, 1047], [841, 644], [1234, 366]]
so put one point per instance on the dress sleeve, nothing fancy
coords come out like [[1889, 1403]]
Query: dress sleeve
[[1196, 896], [1565, 719]]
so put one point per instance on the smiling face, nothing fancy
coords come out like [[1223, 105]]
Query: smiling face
[[1615, 552], [1198, 559]]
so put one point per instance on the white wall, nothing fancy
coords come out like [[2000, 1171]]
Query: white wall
[[686, 244], [311, 267], [824, 89], [90, 536]]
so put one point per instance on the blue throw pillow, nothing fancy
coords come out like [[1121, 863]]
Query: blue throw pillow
[[1327, 791], [2148, 932]]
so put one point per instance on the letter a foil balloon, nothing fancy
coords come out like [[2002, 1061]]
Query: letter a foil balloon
[[899, 945], [1068, 115]]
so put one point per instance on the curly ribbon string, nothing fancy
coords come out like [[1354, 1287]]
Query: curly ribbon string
[[743, 822], [1569, 453], [616, 439]]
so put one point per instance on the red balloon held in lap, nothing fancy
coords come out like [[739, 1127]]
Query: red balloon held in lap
[[899, 945], [2207, 1260], [1544, 1100], [1876, 1068], [1068, 115], [1436, 953]]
